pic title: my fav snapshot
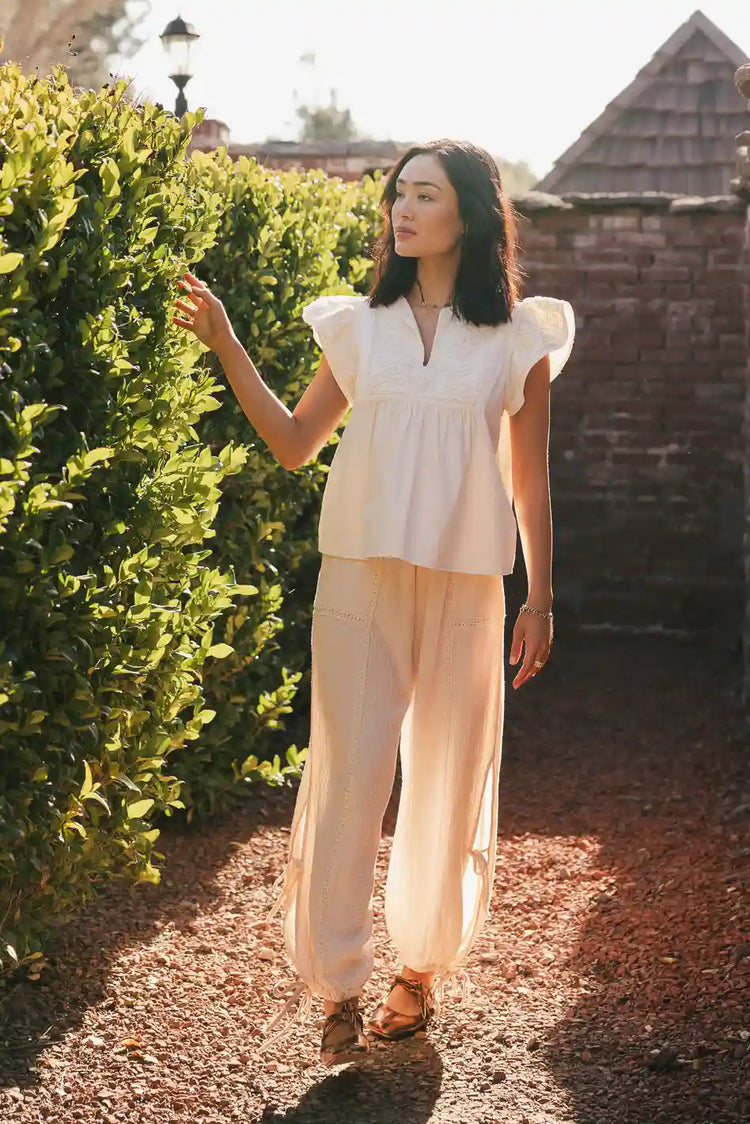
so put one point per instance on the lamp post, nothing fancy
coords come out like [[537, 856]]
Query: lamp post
[[177, 39]]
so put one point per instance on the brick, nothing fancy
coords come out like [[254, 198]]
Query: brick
[[616, 222], [611, 271], [668, 356], [654, 222], [535, 238], [600, 289], [728, 275], [693, 258], [694, 236], [625, 352], [724, 257], [659, 272], [649, 340], [647, 238]]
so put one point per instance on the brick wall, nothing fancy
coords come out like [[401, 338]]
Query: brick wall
[[646, 445]]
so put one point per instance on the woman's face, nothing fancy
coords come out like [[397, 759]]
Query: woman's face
[[426, 203]]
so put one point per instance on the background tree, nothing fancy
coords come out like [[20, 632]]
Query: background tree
[[327, 123], [517, 177], [83, 35]]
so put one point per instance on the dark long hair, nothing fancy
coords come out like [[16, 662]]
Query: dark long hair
[[488, 275]]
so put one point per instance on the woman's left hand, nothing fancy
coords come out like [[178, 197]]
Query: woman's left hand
[[536, 634]]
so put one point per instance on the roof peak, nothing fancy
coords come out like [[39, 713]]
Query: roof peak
[[633, 94]]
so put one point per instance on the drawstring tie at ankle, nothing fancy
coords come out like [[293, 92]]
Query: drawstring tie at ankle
[[457, 979], [281, 889], [303, 997]]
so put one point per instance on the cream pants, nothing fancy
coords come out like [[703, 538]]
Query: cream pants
[[405, 659]]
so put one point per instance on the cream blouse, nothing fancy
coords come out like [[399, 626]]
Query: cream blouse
[[422, 469]]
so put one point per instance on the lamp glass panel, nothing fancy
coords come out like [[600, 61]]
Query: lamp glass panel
[[179, 50]]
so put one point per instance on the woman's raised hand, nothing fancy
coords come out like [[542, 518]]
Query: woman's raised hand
[[207, 316]]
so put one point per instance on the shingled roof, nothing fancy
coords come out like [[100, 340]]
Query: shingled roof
[[672, 129]]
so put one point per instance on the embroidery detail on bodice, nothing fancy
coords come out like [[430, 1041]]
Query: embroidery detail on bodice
[[457, 371]]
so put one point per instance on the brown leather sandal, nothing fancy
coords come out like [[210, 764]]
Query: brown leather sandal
[[393, 1025], [354, 1045]]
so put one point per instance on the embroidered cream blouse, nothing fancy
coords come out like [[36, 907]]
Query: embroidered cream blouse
[[422, 469]]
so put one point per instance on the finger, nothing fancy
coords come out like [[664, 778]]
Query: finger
[[516, 644], [190, 295], [200, 287], [196, 294], [183, 305], [528, 671], [184, 323]]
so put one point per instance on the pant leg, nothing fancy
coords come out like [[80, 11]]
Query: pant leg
[[443, 856], [360, 688]]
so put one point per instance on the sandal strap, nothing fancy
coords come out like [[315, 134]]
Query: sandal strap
[[349, 1012], [417, 988]]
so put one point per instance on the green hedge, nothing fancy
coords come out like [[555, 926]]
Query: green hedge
[[107, 495], [148, 538]]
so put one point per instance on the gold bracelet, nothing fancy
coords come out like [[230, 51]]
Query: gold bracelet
[[526, 608]]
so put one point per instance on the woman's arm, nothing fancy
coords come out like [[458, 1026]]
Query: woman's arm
[[293, 437], [529, 447]]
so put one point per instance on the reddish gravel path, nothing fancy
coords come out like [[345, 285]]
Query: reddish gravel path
[[610, 982]]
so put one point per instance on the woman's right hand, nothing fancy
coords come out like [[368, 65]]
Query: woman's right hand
[[208, 317]]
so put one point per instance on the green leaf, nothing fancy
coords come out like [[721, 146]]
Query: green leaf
[[88, 781], [9, 262], [94, 456], [138, 808], [220, 651], [99, 798]]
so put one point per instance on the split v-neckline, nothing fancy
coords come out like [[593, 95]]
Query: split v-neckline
[[426, 360]]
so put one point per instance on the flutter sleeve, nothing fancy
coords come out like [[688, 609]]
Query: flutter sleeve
[[333, 321], [543, 326]]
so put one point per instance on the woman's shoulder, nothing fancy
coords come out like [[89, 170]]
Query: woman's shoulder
[[538, 308], [334, 302], [549, 317]]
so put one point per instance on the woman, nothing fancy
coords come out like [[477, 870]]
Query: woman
[[447, 372]]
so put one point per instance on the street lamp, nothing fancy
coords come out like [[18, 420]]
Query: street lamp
[[177, 39]]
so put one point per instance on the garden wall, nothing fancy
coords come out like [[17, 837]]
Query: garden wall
[[646, 445]]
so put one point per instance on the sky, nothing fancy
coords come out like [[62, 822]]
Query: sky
[[522, 78]]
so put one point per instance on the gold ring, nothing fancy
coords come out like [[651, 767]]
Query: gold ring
[[538, 663]]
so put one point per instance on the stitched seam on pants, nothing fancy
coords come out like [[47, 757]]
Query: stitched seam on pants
[[358, 706], [342, 614], [470, 622], [448, 698]]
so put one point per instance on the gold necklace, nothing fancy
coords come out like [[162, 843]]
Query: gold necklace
[[426, 304]]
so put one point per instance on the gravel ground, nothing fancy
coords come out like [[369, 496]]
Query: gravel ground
[[610, 983]]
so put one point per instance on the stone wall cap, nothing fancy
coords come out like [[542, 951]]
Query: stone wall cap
[[539, 201], [707, 203], [655, 200], [668, 202]]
